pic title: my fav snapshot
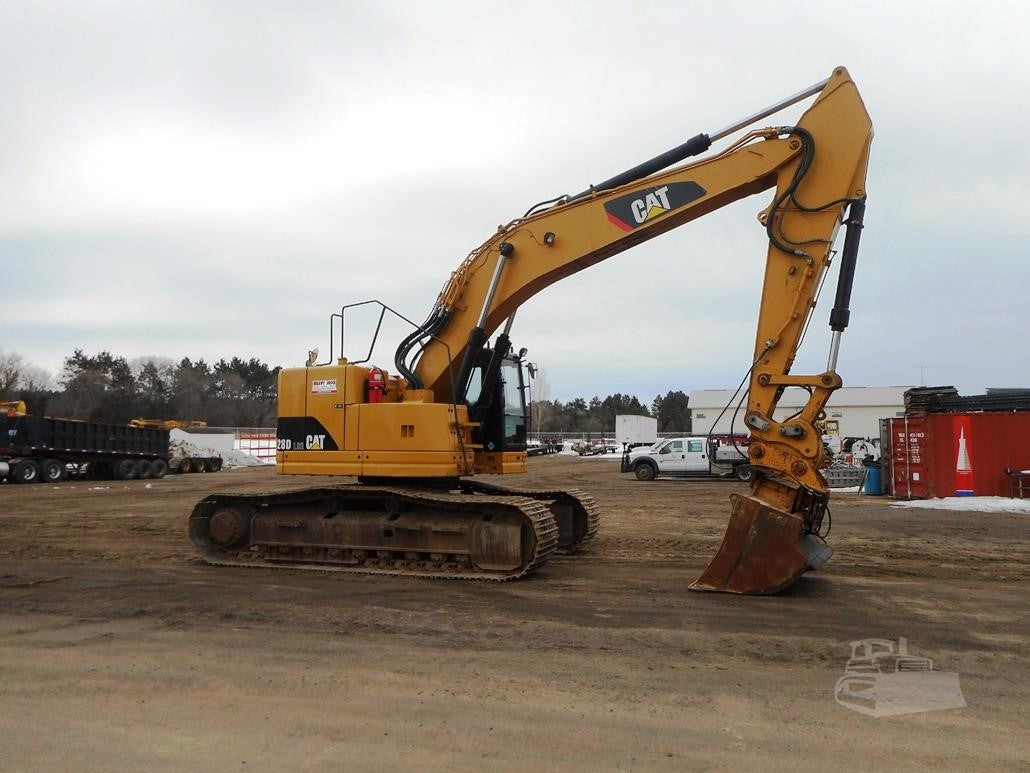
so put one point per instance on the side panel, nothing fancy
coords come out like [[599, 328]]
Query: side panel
[[313, 404], [926, 458], [407, 427], [974, 450], [67, 437], [501, 463], [413, 439]]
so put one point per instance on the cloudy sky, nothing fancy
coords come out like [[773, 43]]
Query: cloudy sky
[[210, 179]]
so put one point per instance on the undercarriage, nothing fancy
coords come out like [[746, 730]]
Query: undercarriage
[[467, 530]]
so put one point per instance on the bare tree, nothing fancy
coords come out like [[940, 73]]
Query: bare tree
[[539, 408], [35, 379], [12, 366]]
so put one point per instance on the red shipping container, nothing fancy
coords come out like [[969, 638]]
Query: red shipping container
[[949, 454]]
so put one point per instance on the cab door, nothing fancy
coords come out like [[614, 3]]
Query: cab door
[[695, 458], [670, 458]]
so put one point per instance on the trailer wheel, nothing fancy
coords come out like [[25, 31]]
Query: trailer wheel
[[144, 469], [125, 469], [25, 471], [214, 465], [186, 465], [744, 472], [198, 465], [53, 471], [644, 471], [158, 468]]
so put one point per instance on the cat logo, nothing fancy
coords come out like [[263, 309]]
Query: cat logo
[[314, 442], [635, 209], [652, 205]]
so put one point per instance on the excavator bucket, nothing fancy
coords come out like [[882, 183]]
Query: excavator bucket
[[763, 551]]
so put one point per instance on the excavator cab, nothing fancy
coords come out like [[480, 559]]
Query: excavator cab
[[496, 400]]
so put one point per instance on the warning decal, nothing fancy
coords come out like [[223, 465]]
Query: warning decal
[[323, 386]]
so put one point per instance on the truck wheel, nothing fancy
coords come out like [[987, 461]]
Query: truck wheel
[[125, 469], [744, 472], [158, 468], [53, 471], [144, 469], [186, 465], [199, 465], [25, 471], [644, 472]]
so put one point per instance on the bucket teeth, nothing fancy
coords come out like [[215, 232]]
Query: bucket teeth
[[763, 551]]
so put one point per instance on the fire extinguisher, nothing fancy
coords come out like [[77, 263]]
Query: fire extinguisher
[[376, 385]]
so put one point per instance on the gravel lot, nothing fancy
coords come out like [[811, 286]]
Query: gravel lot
[[119, 650]]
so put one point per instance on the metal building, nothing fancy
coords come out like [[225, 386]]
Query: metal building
[[856, 410]]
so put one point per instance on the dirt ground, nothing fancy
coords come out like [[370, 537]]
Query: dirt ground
[[119, 650]]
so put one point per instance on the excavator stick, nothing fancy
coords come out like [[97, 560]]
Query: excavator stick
[[764, 550]]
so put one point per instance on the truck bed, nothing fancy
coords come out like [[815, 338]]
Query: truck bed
[[27, 435]]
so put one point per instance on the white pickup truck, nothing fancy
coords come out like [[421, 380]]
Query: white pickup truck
[[685, 457]]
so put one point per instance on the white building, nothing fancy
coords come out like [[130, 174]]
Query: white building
[[857, 410]]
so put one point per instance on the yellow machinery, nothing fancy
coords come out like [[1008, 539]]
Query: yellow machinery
[[165, 423], [454, 406], [13, 408]]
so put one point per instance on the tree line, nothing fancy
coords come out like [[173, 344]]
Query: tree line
[[241, 393], [598, 414], [110, 389]]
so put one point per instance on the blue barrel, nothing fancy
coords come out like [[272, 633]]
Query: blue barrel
[[874, 480]]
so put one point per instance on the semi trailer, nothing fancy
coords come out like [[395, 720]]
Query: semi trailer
[[49, 450]]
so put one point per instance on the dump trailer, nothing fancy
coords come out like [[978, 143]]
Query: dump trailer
[[49, 450]]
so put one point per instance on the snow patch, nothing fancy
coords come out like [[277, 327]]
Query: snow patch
[[969, 504], [230, 459]]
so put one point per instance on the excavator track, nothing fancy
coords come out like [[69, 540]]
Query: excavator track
[[575, 511], [386, 530]]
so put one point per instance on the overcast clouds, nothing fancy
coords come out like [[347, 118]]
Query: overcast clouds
[[189, 179]]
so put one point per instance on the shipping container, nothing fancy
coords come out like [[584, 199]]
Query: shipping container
[[633, 430], [956, 454]]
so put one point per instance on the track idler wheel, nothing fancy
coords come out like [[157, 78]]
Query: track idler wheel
[[229, 526], [763, 551]]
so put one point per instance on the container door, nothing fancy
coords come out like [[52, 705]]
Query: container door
[[909, 463]]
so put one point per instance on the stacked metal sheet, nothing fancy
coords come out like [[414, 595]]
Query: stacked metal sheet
[[946, 399]]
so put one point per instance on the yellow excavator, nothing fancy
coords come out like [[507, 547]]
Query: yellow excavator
[[455, 407]]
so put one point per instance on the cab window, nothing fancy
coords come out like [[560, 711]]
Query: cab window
[[514, 406], [694, 446]]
